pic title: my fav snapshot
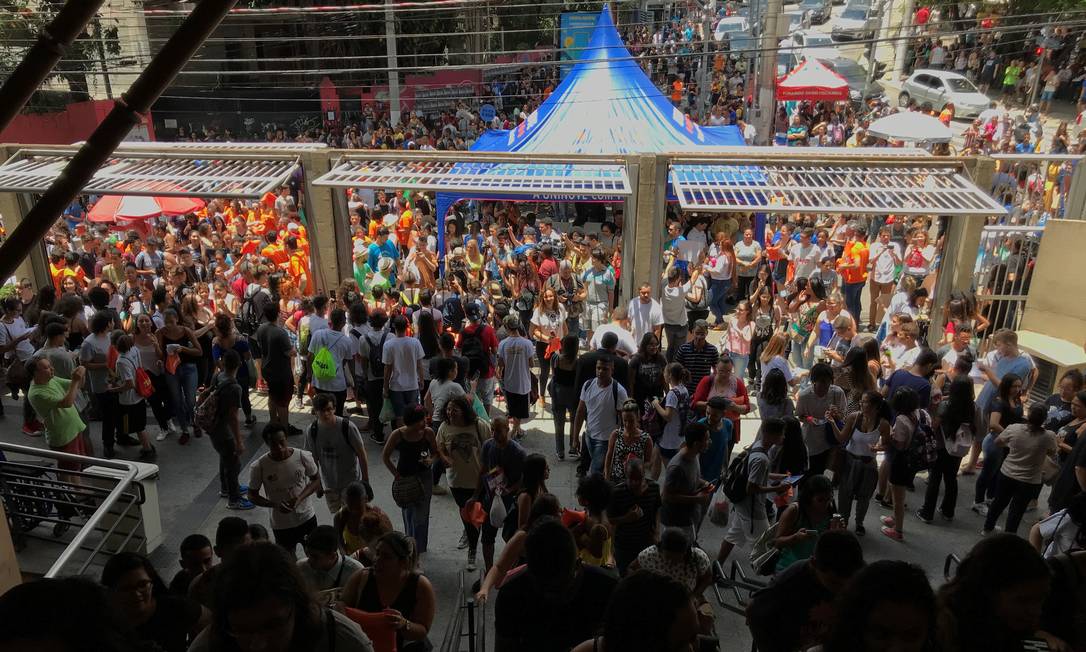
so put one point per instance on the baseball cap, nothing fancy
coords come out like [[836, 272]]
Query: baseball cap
[[474, 312]]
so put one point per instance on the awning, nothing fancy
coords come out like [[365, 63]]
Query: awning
[[535, 179], [172, 174], [812, 81], [829, 187]]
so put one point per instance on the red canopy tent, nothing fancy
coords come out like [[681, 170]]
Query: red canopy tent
[[130, 207], [812, 81]]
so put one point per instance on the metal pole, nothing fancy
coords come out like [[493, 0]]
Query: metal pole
[[54, 39], [871, 55], [903, 33], [706, 76], [393, 72], [767, 81], [158, 75], [1037, 77]]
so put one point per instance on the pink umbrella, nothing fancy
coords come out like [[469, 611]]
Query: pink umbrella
[[118, 208]]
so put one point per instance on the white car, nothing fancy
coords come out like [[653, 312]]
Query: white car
[[806, 38], [855, 22], [729, 25], [940, 87]]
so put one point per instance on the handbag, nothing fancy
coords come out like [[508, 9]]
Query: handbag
[[407, 491], [763, 554]]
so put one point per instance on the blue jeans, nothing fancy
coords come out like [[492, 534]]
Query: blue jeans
[[182, 386], [853, 292], [416, 517], [740, 362], [799, 356], [718, 297], [988, 477], [597, 448]]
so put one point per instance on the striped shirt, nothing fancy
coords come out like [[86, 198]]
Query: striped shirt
[[699, 362]]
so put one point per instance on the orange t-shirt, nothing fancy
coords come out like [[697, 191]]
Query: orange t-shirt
[[298, 268], [854, 252], [676, 90]]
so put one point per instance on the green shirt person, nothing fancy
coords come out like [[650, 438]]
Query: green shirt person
[[53, 398]]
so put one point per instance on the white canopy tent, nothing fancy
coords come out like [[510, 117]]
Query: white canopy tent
[[911, 126]]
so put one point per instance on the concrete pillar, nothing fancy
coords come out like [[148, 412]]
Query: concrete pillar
[[13, 206], [642, 261], [959, 249], [329, 239], [1053, 306]]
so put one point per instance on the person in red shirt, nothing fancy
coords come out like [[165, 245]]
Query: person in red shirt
[[548, 266], [723, 382], [485, 365]]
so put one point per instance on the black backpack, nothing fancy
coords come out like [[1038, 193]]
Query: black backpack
[[344, 423], [737, 477], [471, 347], [377, 365], [923, 449], [248, 320], [452, 312]]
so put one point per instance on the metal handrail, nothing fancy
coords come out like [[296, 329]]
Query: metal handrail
[[452, 631], [476, 621], [130, 470]]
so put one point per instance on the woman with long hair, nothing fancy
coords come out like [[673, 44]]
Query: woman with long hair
[[151, 359], [533, 484], [564, 392], [626, 442], [672, 410], [359, 523], [723, 381], [1019, 482], [957, 423], [459, 443], [774, 399], [548, 327], [647, 370], [228, 338], [908, 415], [887, 605], [862, 434], [739, 338], [175, 339], [804, 520], [995, 600], [428, 334], [773, 357], [1005, 410], [767, 319], [854, 376], [720, 266]]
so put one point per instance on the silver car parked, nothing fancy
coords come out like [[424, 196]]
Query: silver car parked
[[941, 87]]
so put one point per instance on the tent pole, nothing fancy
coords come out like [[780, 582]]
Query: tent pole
[[158, 75], [39, 61]]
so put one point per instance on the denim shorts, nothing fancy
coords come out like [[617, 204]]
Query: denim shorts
[[401, 400]]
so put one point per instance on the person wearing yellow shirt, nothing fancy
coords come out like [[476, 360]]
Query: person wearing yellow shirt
[[298, 267], [274, 251]]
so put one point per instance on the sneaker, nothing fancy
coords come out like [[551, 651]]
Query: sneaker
[[946, 517], [162, 435], [985, 533], [575, 455], [471, 561], [223, 493], [440, 490], [980, 508], [241, 504], [294, 431], [561, 456], [30, 431], [888, 521], [860, 531], [922, 518], [184, 438], [892, 533], [463, 543], [380, 441], [128, 440], [148, 454]]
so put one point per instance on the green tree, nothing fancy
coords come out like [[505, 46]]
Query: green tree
[[21, 21]]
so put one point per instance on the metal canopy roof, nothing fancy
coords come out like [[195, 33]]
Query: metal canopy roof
[[878, 187], [588, 179], [173, 174], [215, 146]]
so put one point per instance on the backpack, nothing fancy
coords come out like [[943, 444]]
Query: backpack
[[471, 347], [144, 386], [248, 320], [377, 366], [452, 312], [923, 448], [737, 477], [324, 363], [207, 408]]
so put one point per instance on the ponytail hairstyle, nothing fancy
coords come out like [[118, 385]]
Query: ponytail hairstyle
[[677, 372], [1035, 418]]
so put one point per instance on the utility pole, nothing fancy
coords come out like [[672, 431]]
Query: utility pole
[[904, 33], [767, 76], [707, 11], [393, 69], [100, 47], [1037, 76]]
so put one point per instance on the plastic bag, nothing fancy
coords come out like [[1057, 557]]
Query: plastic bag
[[388, 415], [473, 512], [719, 511], [498, 512], [480, 409]]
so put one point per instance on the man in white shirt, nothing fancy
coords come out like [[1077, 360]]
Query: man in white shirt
[[598, 412], [645, 313], [627, 345], [515, 355], [882, 264], [402, 357], [342, 348], [805, 254]]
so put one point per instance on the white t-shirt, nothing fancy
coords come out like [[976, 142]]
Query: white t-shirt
[[778, 362], [1060, 531], [516, 355], [673, 304], [440, 393], [127, 364], [918, 261], [626, 341], [882, 260], [601, 408], [804, 258], [550, 321], [404, 354], [283, 480], [342, 348], [644, 317], [12, 331]]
